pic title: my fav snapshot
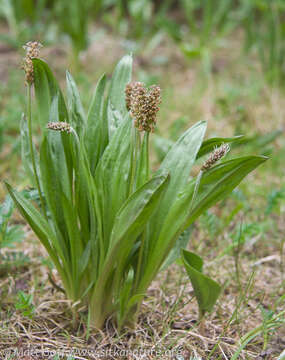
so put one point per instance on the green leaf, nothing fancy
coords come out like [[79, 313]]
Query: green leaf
[[51, 105], [115, 119], [162, 146], [112, 177], [131, 218], [84, 196], [219, 181], [55, 178], [214, 185], [73, 243], [120, 78], [96, 132], [130, 222], [83, 261], [46, 89], [206, 290], [37, 222], [178, 162], [210, 144], [75, 108], [125, 294], [181, 157]]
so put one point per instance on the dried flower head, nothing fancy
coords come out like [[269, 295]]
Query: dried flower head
[[59, 126], [143, 105], [128, 94], [32, 51], [215, 156]]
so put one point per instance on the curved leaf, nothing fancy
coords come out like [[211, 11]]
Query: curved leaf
[[206, 290], [39, 225], [112, 177], [96, 131], [178, 162], [116, 102], [214, 185], [220, 181], [210, 144], [75, 108], [163, 145], [46, 89], [130, 222]]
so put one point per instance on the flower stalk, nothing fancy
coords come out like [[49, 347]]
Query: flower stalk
[[32, 51]]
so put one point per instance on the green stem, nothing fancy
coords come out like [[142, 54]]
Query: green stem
[[134, 149], [29, 115], [85, 162], [143, 240], [147, 156]]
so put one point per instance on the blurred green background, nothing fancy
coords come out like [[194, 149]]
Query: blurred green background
[[197, 27]]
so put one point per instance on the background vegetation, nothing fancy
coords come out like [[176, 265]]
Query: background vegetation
[[221, 61]]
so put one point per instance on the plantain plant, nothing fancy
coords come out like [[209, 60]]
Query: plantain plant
[[108, 222]]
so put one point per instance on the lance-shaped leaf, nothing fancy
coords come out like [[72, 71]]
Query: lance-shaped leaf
[[162, 145], [96, 131], [121, 77], [210, 144], [178, 162], [51, 104], [55, 179], [75, 108], [219, 181], [206, 290], [117, 110], [130, 222], [46, 89], [40, 227], [112, 177], [214, 185], [131, 218]]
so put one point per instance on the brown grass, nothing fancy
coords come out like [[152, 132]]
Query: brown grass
[[168, 319]]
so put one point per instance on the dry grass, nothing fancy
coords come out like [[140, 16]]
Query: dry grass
[[168, 319]]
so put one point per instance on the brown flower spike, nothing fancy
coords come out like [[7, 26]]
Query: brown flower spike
[[143, 105], [59, 126], [32, 51], [215, 156]]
